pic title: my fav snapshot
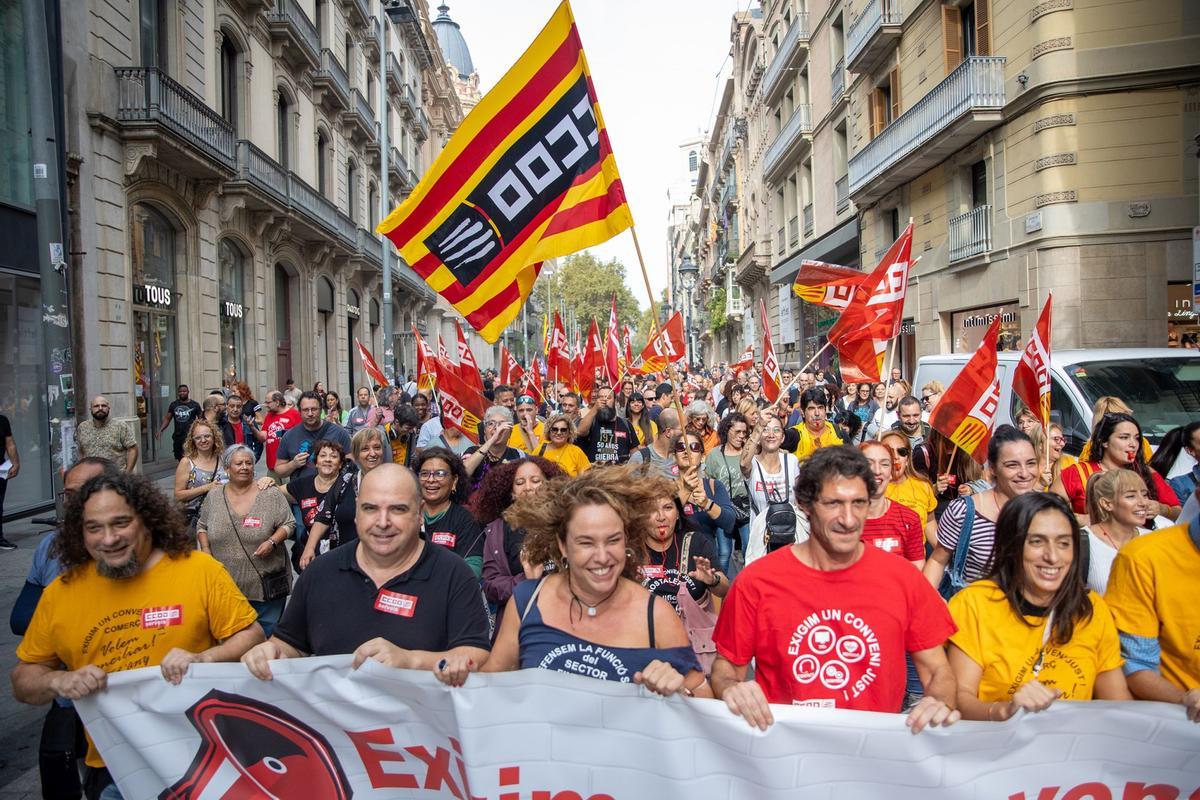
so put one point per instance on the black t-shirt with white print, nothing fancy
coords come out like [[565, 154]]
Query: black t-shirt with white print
[[660, 575]]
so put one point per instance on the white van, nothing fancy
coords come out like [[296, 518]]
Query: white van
[[1162, 385]]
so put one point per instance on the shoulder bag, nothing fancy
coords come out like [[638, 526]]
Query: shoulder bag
[[781, 515], [741, 505], [954, 578], [276, 583], [698, 618]]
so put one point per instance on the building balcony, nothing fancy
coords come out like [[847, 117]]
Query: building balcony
[[397, 167], [373, 149], [408, 102], [413, 180], [808, 220], [294, 38], [873, 35], [837, 81], [358, 12], [796, 131], [958, 110], [753, 262], [260, 177], [781, 241], [422, 124], [395, 76], [331, 83], [371, 42], [842, 191], [319, 218], [359, 118], [755, 75], [188, 135], [793, 232], [970, 233], [780, 69]]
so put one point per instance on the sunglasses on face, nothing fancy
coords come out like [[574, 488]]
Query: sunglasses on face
[[434, 474], [901, 451], [695, 447], [559, 429]]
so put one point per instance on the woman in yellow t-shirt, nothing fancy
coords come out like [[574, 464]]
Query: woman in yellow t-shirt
[[558, 447], [908, 487], [1031, 633]]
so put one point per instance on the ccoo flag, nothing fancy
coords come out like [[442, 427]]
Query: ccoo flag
[[967, 410], [529, 175], [1031, 380]]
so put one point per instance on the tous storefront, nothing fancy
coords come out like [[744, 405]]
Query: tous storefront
[[155, 372], [231, 294]]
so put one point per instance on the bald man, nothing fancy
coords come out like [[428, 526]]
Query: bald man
[[391, 596], [100, 437]]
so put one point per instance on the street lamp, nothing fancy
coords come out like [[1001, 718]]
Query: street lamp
[[688, 272]]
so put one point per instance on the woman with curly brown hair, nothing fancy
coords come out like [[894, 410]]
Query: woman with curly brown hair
[[592, 617], [504, 561], [200, 468]]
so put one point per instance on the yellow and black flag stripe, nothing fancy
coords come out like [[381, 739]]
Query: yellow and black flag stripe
[[529, 175]]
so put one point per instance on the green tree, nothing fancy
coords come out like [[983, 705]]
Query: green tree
[[584, 285]]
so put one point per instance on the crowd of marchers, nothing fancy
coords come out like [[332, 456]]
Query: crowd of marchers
[[828, 549]]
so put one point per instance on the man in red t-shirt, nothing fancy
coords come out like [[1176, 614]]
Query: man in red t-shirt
[[890, 526], [828, 621], [278, 420]]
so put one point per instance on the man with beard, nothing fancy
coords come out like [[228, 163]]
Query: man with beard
[[359, 416], [605, 437], [295, 448], [103, 438], [908, 422], [134, 593], [182, 411], [887, 415]]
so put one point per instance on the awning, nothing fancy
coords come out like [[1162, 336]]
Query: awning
[[839, 246]]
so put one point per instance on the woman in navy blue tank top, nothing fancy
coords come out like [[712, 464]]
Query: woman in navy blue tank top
[[592, 617]]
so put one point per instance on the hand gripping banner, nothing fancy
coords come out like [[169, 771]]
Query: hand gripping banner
[[323, 731]]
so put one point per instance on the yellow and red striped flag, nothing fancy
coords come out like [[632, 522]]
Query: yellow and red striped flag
[[529, 175]]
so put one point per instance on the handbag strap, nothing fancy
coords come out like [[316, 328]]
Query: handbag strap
[[237, 535], [959, 565]]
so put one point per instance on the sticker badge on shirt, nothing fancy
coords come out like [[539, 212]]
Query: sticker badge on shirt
[[620, 434], [688, 509], [402, 605], [251, 522], [444, 538], [161, 617], [654, 571]]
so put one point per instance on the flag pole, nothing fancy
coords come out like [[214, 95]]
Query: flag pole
[[811, 361], [654, 329]]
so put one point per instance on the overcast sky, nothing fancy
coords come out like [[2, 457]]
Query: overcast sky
[[655, 68]]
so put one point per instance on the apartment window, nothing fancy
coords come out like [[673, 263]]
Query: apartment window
[[153, 27], [885, 103], [229, 81], [352, 190], [693, 161], [322, 163], [349, 43], [319, 19], [894, 224], [371, 90], [373, 204], [283, 113], [978, 184], [966, 32]]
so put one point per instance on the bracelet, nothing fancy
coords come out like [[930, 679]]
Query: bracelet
[[274, 543], [991, 706]]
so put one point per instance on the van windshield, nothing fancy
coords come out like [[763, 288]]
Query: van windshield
[[1164, 392]]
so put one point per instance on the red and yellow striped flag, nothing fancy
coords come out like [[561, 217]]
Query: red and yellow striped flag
[[529, 175]]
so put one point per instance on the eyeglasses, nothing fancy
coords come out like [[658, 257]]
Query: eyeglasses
[[560, 429], [433, 474], [1058, 439], [695, 447]]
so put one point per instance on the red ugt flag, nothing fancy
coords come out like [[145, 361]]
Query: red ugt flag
[[612, 346], [462, 406], [1031, 380], [967, 411], [468, 368], [772, 382], [369, 366]]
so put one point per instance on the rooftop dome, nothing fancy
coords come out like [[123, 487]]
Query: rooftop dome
[[454, 46]]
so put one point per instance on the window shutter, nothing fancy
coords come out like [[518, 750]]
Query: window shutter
[[878, 113], [983, 27], [894, 79], [951, 37]]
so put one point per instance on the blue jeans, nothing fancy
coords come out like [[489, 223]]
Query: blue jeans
[[724, 551], [269, 612]]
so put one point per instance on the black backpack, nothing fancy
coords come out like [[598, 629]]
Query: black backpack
[[781, 515]]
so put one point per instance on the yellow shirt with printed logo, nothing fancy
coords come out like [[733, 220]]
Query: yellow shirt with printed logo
[[1152, 591], [809, 443], [913, 493], [190, 602], [992, 635]]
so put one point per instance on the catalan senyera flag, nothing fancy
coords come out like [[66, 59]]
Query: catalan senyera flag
[[873, 316], [967, 411], [426, 368], [369, 366], [827, 284], [529, 175], [1031, 379], [665, 347], [772, 381]]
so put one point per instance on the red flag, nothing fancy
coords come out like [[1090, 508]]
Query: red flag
[[772, 382], [873, 316], [442, 352], [558, 354], [1031, 380], [827, 284], [967, 411], [612, 346], [511, 371], [462, 406], [627, 347], [426, 368], [746, 361], [665, 347], [369, 366], [593, 359], [533, 382], [468, 367]]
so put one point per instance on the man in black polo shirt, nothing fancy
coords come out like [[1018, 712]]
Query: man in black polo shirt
[[392, 597], [605, 437]]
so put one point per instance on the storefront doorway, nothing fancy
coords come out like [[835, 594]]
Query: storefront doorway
[[22, 373], [155, 365]]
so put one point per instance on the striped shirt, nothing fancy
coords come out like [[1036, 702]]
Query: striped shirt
[[983, 535]]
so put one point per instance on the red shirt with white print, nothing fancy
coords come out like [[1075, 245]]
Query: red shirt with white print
[[831, 639], [897, 531]]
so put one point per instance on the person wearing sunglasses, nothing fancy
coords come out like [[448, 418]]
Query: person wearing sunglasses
[[706, 504], [1031, 633], [909, 488], [528, 433], [446, 521], [559, 446]]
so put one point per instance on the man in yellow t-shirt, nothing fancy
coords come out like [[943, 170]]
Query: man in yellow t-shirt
[[133, 593], [1153, 596], [815, 431], [528, 434], [1007, 649]]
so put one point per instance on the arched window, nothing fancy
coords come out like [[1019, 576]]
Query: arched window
[[322, 163], [230, 301], [352, 189], [283, 113], [154, 246], [373, 204], [229, 81]]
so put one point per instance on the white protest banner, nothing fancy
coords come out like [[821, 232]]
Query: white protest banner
[[321, 730]]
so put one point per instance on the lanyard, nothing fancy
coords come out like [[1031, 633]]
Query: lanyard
[[1037, 665]]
